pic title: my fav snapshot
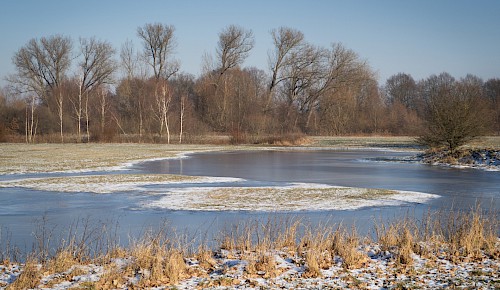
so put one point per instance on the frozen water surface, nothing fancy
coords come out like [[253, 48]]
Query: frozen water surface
[[146, 204]]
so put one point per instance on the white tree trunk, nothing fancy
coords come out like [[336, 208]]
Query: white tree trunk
[[60, 111], [181, 121], [87, 129]]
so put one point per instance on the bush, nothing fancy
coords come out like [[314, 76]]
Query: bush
[[455, 112]]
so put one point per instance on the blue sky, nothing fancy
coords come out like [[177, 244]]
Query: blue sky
[[421, 38]]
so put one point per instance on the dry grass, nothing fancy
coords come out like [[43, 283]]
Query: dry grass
[[112, 278], [262, 264], [205, 257], [492, 142], [465, 235], [288, 237], [321, 247], [365, 141], [61, 262], [16, 158], [158, 258], [398, 238], [470, 234], [400, 142], [29, 158], [345, 244], [29, 278]]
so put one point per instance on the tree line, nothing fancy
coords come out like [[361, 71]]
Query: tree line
[[87, 91]]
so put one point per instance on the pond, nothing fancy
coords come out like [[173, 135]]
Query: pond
[[128, 210]]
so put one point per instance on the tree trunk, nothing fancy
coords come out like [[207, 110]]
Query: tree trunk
[[140, 123], [60, 109], [78, 110], [181, 119], [87, 129], [168, 130], [26, 125], [103, 110]]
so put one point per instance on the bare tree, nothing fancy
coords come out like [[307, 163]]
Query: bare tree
[[41, 68], [371, 107], [492, 91], [233, 47], [456, 112], [96, 68], [129, 59], [402, 88], [158, 45], [303, 73], [314, 73], [133, 102], [286, 42]]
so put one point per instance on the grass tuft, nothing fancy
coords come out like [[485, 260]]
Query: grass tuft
[[29, 277]]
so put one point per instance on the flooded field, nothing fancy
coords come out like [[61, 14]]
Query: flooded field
[[222, 188]]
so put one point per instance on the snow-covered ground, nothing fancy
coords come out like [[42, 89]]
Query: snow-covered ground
[[295, 197], [485, 159], [231, 270], [109, 183], [43, 158]]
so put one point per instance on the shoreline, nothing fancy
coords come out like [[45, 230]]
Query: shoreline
[[481, 159]]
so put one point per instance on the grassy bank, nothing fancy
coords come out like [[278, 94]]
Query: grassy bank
[[482, 153], [439, 250]]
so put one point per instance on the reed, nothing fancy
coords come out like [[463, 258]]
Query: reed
[[30, 277], [162, 258]]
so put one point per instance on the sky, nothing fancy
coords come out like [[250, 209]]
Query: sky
[[417, 37]]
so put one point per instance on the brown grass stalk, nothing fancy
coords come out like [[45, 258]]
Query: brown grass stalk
[[29, 277]]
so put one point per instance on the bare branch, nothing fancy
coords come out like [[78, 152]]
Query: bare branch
[[233, 47], [159, 43]]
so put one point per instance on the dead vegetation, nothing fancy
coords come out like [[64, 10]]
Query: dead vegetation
[[163, 258]]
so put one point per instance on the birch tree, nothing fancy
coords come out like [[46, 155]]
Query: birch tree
[[163, 98], [102, 94]]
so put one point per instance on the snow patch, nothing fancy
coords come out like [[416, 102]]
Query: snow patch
[[296, 197]]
